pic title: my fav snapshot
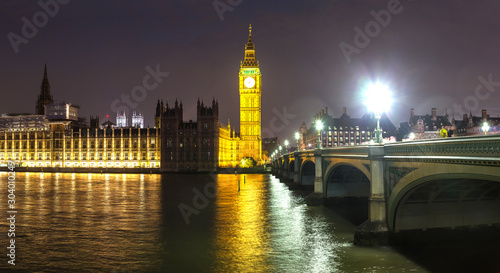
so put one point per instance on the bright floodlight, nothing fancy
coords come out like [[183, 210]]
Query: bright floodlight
[[319, 125], [286, 143], [378, 98], [280, 147], [297, 136], [485, 128]]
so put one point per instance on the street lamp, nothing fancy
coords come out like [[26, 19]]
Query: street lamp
[[378, 100], [286, 145], [297, 137], [280, 149], [319, 127], [485, 128]]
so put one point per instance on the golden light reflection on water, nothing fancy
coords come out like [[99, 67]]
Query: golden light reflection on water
[[92, 221], [241, 225]]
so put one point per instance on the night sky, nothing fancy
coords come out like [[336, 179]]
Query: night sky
[[431, 54]]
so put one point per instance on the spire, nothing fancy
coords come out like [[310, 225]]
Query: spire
[[250, 60], [44, 97]]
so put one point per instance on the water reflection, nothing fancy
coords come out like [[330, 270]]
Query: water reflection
[[242, 224], [85, 223], [133, 223]]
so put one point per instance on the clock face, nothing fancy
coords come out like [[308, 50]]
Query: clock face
[[249, 82]]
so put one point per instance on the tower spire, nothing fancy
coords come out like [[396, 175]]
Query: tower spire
[[250, 60], [44, 97]]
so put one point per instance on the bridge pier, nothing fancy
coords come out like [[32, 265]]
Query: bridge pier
[[374, 231], [286, 167], [297, 162], [317, 198]]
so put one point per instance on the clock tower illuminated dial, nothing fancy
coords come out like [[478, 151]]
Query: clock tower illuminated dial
[[249, 82]]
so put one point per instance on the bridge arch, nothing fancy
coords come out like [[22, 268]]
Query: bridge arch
[[345, 179], [441, 199], [307, 172]]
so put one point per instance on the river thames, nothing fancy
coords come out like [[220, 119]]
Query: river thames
[[199, 223]]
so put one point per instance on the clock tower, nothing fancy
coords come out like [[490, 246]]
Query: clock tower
[[250, 82]]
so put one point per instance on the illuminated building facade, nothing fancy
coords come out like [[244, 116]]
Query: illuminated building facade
[[248, 144], [121, 119], [137, 120], [173, 145], [73, 148], [250, 104], [59, 138]]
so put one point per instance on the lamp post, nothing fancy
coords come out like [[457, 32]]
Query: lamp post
[[378, 100], [286, 146], [485, 128], [297, 137], [280, 149], [319, 127]]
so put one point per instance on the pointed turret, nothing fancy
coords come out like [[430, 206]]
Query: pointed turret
[[158, 109], [44, 97]]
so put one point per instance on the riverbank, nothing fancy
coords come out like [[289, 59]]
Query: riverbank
[[129, 170]]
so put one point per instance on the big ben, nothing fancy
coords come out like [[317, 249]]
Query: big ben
[[250, 84]]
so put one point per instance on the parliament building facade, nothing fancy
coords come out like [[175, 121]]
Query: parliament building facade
[[56, 137]]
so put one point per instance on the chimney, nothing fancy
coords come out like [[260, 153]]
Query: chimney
[[344, 110], [484, 114], [465, 117], [412, 113], [434, 114]]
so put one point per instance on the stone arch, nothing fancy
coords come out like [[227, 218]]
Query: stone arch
[[343, 179], [443, 199], [307, 172]]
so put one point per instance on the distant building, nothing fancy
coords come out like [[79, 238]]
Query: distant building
[[137, 120], [344, 131], [472, 125], [269, 145], [121, 119], [61, 111], [428, 126]]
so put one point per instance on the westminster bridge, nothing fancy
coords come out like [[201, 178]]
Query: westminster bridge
[[414, 185]]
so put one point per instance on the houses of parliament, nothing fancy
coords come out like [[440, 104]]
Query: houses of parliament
[[55, 136]]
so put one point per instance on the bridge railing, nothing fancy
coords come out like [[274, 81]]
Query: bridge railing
[[485, 146]]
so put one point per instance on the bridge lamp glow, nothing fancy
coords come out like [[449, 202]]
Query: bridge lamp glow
[[280, 149], [319, 127], [297, 137], [378, 99], [485, 128]]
